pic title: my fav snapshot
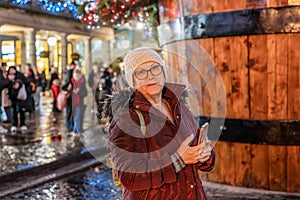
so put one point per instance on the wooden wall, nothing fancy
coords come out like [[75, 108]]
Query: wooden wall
[[261, 76], [256, 166], [173, 9], [260, 73]]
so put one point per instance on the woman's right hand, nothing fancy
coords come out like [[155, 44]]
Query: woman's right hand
[[194, 154]]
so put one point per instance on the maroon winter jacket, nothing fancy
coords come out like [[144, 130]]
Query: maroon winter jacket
[[143, 163]]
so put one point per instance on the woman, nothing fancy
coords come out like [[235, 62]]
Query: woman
[[68, 87], [3, 94], [55, 88], [79, 92], [93, 79], [19, 107], [151, 136]]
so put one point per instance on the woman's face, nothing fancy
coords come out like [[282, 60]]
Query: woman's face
[[149, 79], [11, 74]]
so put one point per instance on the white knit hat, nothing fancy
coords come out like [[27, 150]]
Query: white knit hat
[[137, 57]]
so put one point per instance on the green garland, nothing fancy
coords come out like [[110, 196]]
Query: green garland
[[115, 13]]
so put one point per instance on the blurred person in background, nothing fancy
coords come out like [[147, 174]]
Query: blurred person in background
[[19, 107], [68, 86], [53, 75], [55, 88], [40, 79], [93, 80], [104, 88], [79, 93], [4, 82], [31, 78]]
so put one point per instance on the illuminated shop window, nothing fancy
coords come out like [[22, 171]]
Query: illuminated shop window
[[42, 56], [8, 52]]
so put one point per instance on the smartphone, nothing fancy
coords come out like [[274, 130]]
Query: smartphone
[[203, 132]]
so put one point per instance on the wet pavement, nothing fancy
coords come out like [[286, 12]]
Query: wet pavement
[[96, 184], [91, 185], [48, 143], [46, 139]]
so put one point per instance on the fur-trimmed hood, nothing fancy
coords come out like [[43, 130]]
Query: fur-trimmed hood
[[124, 98]]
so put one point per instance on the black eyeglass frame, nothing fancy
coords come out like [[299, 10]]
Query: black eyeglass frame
[[149, 70]]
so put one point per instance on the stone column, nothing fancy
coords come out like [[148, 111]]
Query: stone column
[[64, 50], [87, 54], [23, 49], [32, 49], [107, 46]]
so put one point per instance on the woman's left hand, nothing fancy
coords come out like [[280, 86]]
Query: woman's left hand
[[194, 154], [205, 151]]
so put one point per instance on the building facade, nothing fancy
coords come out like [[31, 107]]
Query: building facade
[[48, 33]]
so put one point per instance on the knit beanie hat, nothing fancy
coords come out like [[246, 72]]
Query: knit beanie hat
[[137, 57]]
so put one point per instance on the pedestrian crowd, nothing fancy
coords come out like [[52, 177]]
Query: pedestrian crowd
[[20, 93], [21, 90]]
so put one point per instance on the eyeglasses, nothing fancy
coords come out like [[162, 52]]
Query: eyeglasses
[[143, 73]]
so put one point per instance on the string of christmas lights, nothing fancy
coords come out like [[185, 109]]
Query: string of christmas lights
[[51, 6], [58, 6], [109, 13], [21, 2], [116, 13]]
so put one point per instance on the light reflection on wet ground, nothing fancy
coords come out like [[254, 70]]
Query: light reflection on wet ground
[[95, 184], [46, 139]]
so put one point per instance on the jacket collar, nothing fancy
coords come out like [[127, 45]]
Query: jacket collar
[[171, 92]]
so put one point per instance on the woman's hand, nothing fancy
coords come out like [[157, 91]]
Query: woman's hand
[[76, 90], [199, 153]]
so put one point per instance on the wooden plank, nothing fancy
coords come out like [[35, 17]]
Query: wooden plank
[[194, 73], [293, 2], [277, 168], [222, 60], [172, 61], [239, 77], [236, 5], [277, 3], [215, 174], [293, 169], [228, 171], [259, 167], [277, 76], [293, 101], [207, 44], [242, 160], [204, 7], [258, 76], [256, 3]]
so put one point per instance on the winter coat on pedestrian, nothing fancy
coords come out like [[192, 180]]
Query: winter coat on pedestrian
[[55, 90], [3, 81], [78, 97], [25, 105], [143, 163], [104, 86]]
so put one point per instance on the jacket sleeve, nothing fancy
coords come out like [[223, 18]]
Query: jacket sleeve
[[91, 79], [209, 164], [3, 82], [136, 169], [83, 89]]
